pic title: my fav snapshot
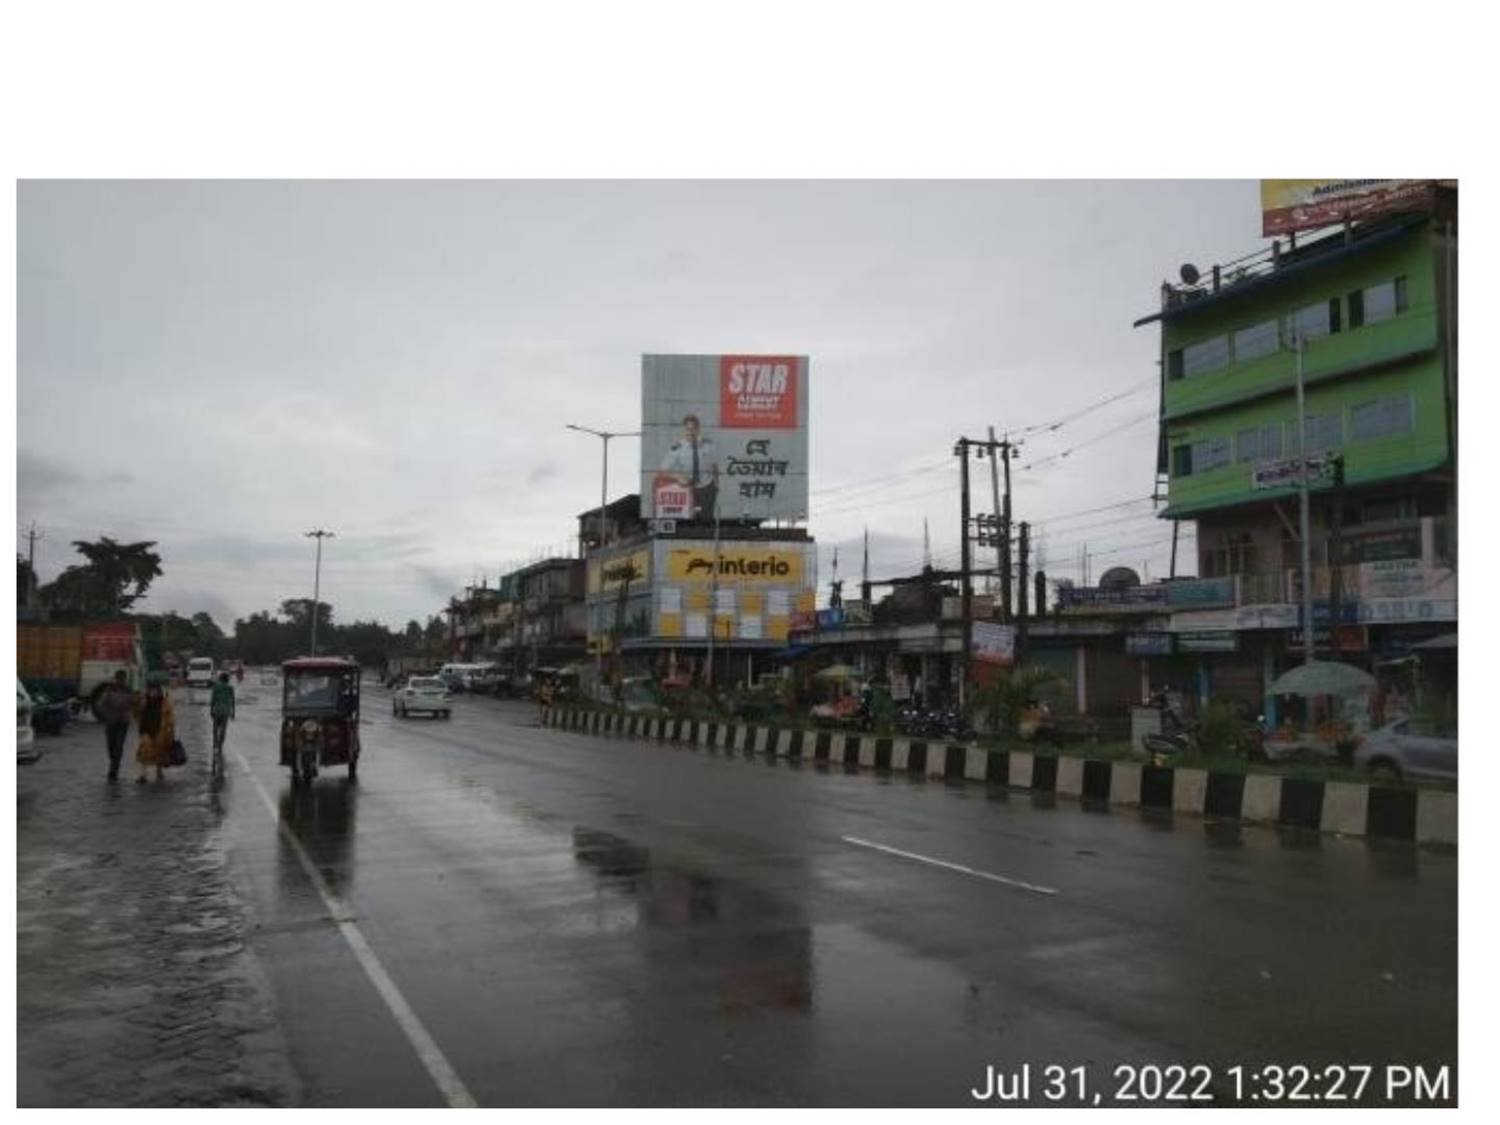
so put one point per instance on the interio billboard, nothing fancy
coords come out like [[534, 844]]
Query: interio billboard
[[724, 436], [749, 590]]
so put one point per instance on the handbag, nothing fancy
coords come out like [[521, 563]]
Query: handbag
[[177, 756]]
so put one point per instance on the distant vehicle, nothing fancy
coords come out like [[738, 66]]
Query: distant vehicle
[[421, 693], [27, 750], [1413, 747], [76, 661], [483, 679], [49, 716], [200, 672], [468, 677]]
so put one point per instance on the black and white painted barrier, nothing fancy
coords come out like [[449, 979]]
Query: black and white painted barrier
[[1347, 808]]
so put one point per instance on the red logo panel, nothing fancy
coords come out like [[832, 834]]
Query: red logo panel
[[758, 392]]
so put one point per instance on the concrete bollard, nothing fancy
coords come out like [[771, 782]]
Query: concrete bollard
[[900, 755], [866, 752], [1069, 776], [1021, 762], [1189, 790], [1346, 807], [1437, 817], [976, 763], [1262, 799], [1124, 783]]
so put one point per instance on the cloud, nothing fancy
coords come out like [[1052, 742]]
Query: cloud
[[37, 476], [547, 470]]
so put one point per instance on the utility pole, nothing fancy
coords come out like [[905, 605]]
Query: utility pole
[[319, 534], [1336, 554], [1002, 510], [604, 436], [1305, 519], [32, 535], [1025, 610], [965, 586], [713, 604]]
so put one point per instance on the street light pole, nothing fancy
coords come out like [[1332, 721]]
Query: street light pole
[[1308, 642], [319, 534], [604, 436]]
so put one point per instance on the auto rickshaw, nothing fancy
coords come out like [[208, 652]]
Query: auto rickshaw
[[319, 715]]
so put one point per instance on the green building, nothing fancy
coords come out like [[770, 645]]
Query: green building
[[1373, 306]]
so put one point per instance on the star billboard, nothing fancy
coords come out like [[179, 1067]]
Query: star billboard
[[724, 436]]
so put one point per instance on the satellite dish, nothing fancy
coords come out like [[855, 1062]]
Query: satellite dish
[[1118, 577], [1188, 273]]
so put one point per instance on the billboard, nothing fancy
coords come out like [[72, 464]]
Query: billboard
[[1288, 205], [724, 436], [752, 594], [993, 644]]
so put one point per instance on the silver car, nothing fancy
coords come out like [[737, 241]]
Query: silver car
[[418, 694], [1417, 748]]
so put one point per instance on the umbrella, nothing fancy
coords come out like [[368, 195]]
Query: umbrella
[[838, 672], [1323, 677]]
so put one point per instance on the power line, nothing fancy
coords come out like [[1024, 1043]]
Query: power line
[[1090, 441]]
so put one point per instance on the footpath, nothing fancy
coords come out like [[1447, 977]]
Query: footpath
[[134, 986]]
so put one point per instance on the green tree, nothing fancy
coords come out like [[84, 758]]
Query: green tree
[[111, 580], [25, 580]]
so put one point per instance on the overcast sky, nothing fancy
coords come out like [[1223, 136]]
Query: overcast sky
[[221, 366]]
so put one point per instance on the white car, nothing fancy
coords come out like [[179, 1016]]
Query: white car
[[200, 672], [28, 750], [421, 693], [1413, 747]]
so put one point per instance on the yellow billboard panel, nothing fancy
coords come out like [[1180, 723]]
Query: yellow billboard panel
[[617, 569], [741, 564]]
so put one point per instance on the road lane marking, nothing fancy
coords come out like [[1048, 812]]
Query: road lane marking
[[438, 1068], [857, 842]]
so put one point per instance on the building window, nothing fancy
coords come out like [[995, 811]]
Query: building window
[[1174, 364], [1182, 461], [1259, 444], [1256, 341], [1321, 319], [1211, 453], [1324, 431], [1209, 355], [1377, 303], [1384, 418], [1234, 554]]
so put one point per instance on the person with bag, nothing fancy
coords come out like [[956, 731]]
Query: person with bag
[[221, 710], [158, 726], [115, 704]]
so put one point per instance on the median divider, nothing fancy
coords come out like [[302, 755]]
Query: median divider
[[1425, 816]]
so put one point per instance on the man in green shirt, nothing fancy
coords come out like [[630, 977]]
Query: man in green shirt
[[221, 709]]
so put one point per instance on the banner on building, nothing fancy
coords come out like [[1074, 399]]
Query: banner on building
[[1201, 593], [758, 586], [1208, 642], [725, 436], [1148, 644], [1291, 205], [1285, 472], [608, 572], [993, 644]]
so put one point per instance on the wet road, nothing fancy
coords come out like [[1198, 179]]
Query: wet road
[[571, 920]]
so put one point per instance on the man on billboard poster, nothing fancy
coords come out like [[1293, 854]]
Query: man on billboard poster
[[692, 463]]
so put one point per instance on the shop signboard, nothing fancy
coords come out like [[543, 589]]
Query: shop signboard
[[1293, 205], [992, 643], [1112, 597], [1201, 593], [1277, 616], [1393, 578], [804, 621], [1148, 644], [830, 619], [725, 436], [1208, 642], [1283, 472], [1388, 543]]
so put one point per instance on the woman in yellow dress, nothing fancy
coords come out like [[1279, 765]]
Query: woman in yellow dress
[[158, 727]]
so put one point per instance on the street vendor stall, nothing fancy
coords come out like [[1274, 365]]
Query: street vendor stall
[[1349, 689]]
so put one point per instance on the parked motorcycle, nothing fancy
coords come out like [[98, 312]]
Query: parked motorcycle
[[1176, 737]]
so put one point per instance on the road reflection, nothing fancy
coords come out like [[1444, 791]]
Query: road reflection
[[761, 950], [321, 817]]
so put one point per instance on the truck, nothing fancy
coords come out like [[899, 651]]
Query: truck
[[76, 661]]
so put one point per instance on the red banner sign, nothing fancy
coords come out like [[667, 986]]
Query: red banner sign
[[758, 392]]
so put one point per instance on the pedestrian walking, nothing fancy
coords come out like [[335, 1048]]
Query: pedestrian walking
[[158, 726], [115, 704], [221, 710]]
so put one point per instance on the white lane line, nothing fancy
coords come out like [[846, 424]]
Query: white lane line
[[857, 842], [431, 1055]]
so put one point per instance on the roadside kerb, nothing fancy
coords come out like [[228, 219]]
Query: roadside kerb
[[1349, 808]]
